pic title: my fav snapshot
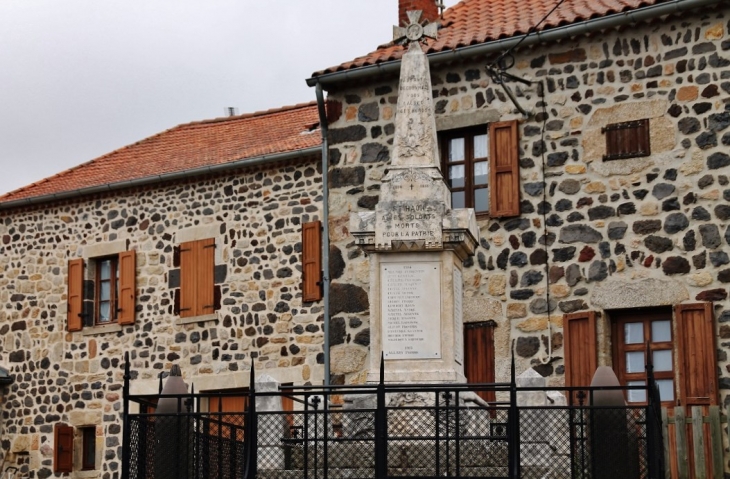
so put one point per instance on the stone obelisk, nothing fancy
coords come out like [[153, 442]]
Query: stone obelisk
[[416, 241]]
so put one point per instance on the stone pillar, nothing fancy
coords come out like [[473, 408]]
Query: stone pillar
[[271, 428]]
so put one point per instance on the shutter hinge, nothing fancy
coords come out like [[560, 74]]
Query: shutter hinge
[[209, 246], [185, 309], [186, 249]]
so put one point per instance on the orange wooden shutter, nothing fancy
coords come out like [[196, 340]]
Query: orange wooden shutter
[[206, 276], [63, 450], [504, 169], [697, 374], [75, 294], [479, 355], [312, 261], [127, 286], [187, 279], [579, 345]]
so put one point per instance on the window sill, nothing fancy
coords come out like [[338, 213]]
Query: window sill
[[107, 328], [196, 319]]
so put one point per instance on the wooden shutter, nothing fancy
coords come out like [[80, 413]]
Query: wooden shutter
[[63, 450], [312, 261], [697, 353], [579, 346], [187, 280], [197, 273], [504, 169], [75, 294], [206, 276], [629, 139], [127, 287], [479, 356]]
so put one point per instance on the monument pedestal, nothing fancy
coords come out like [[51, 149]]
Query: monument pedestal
[[416, 306]]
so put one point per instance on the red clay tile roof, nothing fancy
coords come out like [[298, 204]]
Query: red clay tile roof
[[471, 22], [190, 146]]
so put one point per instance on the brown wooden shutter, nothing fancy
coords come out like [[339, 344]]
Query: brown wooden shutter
[[504, 169], [127, 287], [206, 276], [63, 450], [479, 356], [187, 279], [579, 346], [312, 261], [697, 353], [75, 294]]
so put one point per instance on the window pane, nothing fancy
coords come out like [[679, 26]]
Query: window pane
[[666, 389], [104, 310], [457, 199], [456, 150], [634, 333], [481, 173], [662, 360], [105, 269], [661, 331], [105, 293], [635, 362], [480, 146], [456, 176], [481, 199], [636, 395]]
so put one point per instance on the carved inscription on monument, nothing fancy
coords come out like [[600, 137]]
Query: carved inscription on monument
[[409, 221], [458, 317], [410, 299]]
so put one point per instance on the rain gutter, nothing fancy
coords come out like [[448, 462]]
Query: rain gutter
[[324, 128], [552, 35], [148, 180]]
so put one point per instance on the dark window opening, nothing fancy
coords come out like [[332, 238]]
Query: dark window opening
[[88, 459]]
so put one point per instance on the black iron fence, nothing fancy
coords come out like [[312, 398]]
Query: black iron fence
[[393, 431]]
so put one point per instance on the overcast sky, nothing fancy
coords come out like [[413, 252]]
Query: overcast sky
[[81, 78]]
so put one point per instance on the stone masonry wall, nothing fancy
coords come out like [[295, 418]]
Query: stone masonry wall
[[76, 378], [625, 233]]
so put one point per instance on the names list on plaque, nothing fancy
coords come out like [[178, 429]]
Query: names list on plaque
[[411, 310]]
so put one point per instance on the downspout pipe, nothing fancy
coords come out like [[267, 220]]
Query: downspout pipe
[[324, 128], [552, 35], [149, 180]]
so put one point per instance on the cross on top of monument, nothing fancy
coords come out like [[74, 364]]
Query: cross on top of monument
[[414, 31]]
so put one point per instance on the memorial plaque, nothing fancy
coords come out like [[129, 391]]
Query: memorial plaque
[[409, 221], [410, 297], [458, 317]]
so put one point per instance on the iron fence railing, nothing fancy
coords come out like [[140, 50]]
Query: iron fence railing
[[392, 431]]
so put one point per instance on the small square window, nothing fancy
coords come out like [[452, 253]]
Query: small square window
[[628, 139]]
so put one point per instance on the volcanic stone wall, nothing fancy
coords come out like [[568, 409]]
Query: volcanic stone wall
[[592, 234], [255, 217]]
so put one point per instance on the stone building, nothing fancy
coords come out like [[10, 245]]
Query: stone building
[[183, 248], [595, 153]]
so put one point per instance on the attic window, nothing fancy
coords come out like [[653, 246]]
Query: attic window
[[629, 139]]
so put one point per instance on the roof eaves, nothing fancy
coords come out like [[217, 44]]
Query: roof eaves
[[205, 170], [642, 13]]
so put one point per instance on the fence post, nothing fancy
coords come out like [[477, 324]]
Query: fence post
[[126, 436], [513, 427], [251, 428], [381, 427]]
